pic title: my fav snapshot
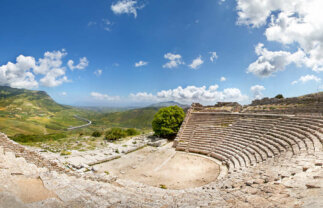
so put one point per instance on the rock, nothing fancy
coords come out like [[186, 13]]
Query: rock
[[311, 186], [248, 183], [94, 169]]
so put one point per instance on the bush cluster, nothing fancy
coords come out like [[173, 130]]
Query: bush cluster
[[167, 121], [118, 133], [37, 138], [96, 134], [279, 96]]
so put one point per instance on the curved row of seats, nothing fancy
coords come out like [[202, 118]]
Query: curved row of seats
[[242, 140]]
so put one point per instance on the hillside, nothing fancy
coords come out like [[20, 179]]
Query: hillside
[[169, 103], [311, 104], [33, 112], [135, 118]]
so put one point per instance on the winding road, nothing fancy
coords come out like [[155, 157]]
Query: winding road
[[82, 126]]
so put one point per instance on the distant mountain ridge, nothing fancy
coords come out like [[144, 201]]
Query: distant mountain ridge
[[167, 104]]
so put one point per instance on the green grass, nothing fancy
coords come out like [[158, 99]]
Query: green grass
[[33, 118], [23, 138]]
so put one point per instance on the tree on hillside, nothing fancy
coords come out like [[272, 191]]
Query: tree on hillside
[[167, 121], [279, 96]]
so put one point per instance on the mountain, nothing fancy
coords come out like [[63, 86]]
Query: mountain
[[28, 101], [33, 112], [168, 103], [140, 118]]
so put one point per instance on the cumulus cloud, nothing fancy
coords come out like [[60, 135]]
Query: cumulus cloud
[[54, 77], [143, 97], [307, 78], [83, 63], [196, 63], [63, 93], [22, 73], [51, 66], [141, 63], [98, 72], [189, 94], [104, 97], [126, 7], [289, 22], [257, 91], [19, 74], [269, 62], [213, 56], [174, 60], [222, 79], [51, 60]]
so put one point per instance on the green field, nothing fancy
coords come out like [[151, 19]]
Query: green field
[[35, 113]]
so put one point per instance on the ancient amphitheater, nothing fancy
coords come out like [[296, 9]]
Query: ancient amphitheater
[[269, 154]]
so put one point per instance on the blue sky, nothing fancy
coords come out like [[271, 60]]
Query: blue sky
[[93, 47]]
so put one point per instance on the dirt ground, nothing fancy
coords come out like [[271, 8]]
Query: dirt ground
[[28, 189], [163, 166]]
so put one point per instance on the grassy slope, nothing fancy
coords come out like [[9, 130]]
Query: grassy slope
[[140, 118], [33, 112]]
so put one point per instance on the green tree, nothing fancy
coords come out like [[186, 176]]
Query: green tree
[[279, 96], [167, 121]]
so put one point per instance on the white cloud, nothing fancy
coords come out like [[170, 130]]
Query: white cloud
[[189, 94], [106, 24], [91, 23], [196, 63], [104, 97], [54, 78], [22, 73], [142, 97], [141, 63], [19, 75], [222, 79], [83, 63], [51, 66], [257, 91], [126, 7], [98, 72], [63, 93], [307, 78], [213, 56], [291, 21], [51, 60], [174, 60], [269, 62]]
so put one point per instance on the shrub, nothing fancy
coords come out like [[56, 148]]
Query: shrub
[[279, 96], [118, 133], [162, 186], [37, 138], [167, 121], [64, 152], [96, 134], [115, 133], [132, 132]]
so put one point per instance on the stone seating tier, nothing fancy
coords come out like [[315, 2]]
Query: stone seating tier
[[241, 140]]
